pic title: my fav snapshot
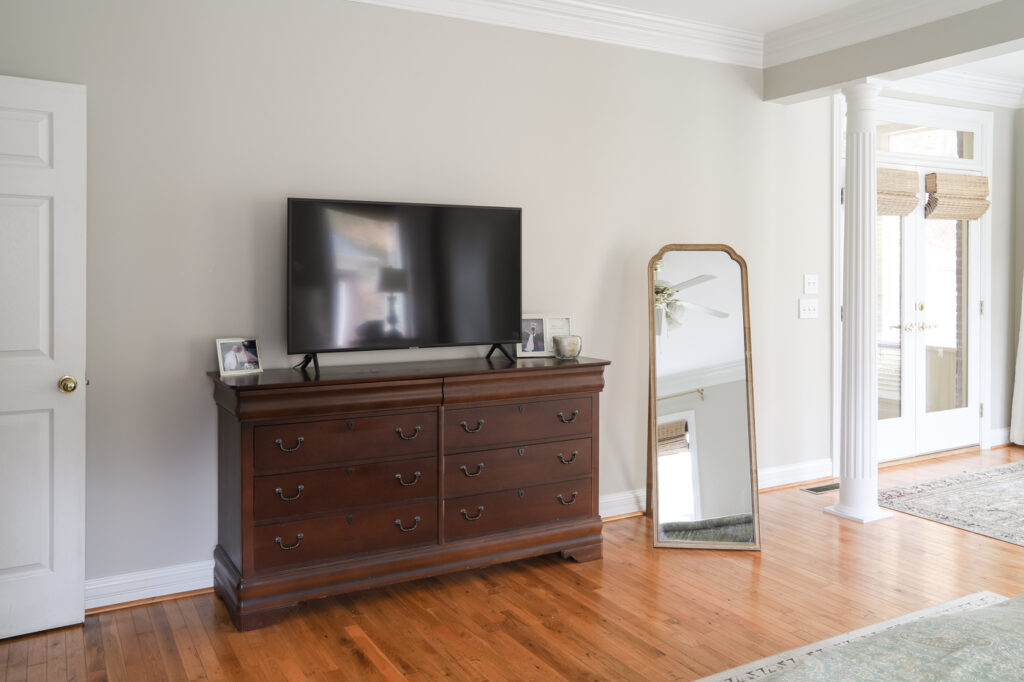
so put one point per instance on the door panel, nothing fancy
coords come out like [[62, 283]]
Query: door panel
[[42, 337], [927, 316]]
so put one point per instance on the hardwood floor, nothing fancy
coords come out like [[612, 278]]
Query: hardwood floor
[[639, 614]]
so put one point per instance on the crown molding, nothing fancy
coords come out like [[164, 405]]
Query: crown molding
[[973, 88], [858, 23], [702, 377], [603, 23]]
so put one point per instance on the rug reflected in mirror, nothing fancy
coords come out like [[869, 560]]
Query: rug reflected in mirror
[[977, 637], [988, 502]]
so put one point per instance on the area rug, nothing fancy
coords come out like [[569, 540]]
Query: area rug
[[884, 651], [988, 502]]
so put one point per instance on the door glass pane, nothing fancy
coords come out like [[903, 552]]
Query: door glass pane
[[889, 245], [942, 314], [915, 139]]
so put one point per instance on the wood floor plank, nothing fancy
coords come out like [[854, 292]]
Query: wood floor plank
[[56, 655], [17, 659]]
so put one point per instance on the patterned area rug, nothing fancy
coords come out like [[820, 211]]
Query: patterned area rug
[[956, 640], [989, 502]]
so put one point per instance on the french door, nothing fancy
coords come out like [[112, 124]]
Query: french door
[[928, 328]]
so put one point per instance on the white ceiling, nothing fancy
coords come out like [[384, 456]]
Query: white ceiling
[[1008, 66]]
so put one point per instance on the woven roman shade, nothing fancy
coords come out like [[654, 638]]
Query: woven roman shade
[[897, 191], [952, 196]]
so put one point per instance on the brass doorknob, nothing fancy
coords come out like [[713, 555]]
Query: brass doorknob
[[67, 384]]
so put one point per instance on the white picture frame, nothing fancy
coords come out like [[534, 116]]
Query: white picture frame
[[239, 355], [544, 326]]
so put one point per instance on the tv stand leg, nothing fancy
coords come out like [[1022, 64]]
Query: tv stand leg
[[310, 357], [498, 346]]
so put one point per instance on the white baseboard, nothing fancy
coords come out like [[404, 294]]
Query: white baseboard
[[769, 477], [157, 582], [629, 502], [999, 436]]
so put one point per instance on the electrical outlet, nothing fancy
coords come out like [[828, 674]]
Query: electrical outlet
[[808, 308], [810, 285]]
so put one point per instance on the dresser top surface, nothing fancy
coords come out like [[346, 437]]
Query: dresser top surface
[[395, 371]]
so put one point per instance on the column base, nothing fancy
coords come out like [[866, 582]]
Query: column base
[[862, 514]]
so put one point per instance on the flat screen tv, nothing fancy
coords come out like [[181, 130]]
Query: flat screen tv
[[365, 275]]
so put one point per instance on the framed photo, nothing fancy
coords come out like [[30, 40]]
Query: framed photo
[[238, 356], [536, 330]]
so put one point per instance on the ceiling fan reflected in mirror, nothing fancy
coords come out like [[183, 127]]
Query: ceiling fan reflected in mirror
[[669, 309]]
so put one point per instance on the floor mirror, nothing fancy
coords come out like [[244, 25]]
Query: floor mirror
[[702, 470]]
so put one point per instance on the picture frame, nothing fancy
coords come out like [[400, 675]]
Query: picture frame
[[239, 355], [542, 327]]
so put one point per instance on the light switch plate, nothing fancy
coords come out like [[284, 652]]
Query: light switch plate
[[810, 285], [808, 308]]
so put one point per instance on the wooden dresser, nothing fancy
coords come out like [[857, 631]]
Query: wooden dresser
[[376, 474]]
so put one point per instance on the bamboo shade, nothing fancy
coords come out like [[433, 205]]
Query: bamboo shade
[[672, 438], [952, 196], [897, 191]]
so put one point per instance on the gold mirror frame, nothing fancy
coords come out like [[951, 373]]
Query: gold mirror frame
[[652, 406]]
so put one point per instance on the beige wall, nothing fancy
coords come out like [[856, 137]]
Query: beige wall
[[205, 116]]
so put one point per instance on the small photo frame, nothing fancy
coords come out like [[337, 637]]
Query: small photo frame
[[238, 356], [536, 330]]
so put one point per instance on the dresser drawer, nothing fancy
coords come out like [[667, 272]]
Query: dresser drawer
[[310, 492], [284, 446], [479, 472], [478, 514], [479, 427], [364, 530]]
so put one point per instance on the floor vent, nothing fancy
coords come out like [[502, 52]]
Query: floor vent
[[824, 488]]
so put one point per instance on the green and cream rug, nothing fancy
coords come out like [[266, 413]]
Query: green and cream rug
[[978, 637], [989, 502]]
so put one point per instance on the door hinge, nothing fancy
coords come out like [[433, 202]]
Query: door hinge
[[840, 314], [981, 409], [981, 307], [842, 195]]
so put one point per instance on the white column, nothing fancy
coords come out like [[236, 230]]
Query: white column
[[858, 456]]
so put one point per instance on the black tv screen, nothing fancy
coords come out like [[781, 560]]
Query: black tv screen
[[365, 276]]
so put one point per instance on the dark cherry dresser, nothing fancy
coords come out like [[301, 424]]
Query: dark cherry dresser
[[376, 474]]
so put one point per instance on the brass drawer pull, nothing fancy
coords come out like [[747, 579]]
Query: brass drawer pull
[[479, 513], [479, 468], [465, 426], [562, 499], [572, 459], [415, 479], [415, 525], [298, 491], [405, 437], [570, 420], [298, 541], [280, 444]]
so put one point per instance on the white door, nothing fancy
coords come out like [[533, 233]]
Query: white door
[[928, 305], [42, 338]]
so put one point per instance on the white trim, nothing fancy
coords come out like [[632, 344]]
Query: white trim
[[975, 88], [787, 474], [628, 502], [603, 23], [857, 23], [156, 582], [998, 437]]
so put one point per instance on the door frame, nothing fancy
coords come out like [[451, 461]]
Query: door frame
[[982, 123]]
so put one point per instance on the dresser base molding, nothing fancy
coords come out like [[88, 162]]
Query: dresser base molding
[[266, 598]]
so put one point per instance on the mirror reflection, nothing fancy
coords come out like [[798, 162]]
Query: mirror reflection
[[704, 485]]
